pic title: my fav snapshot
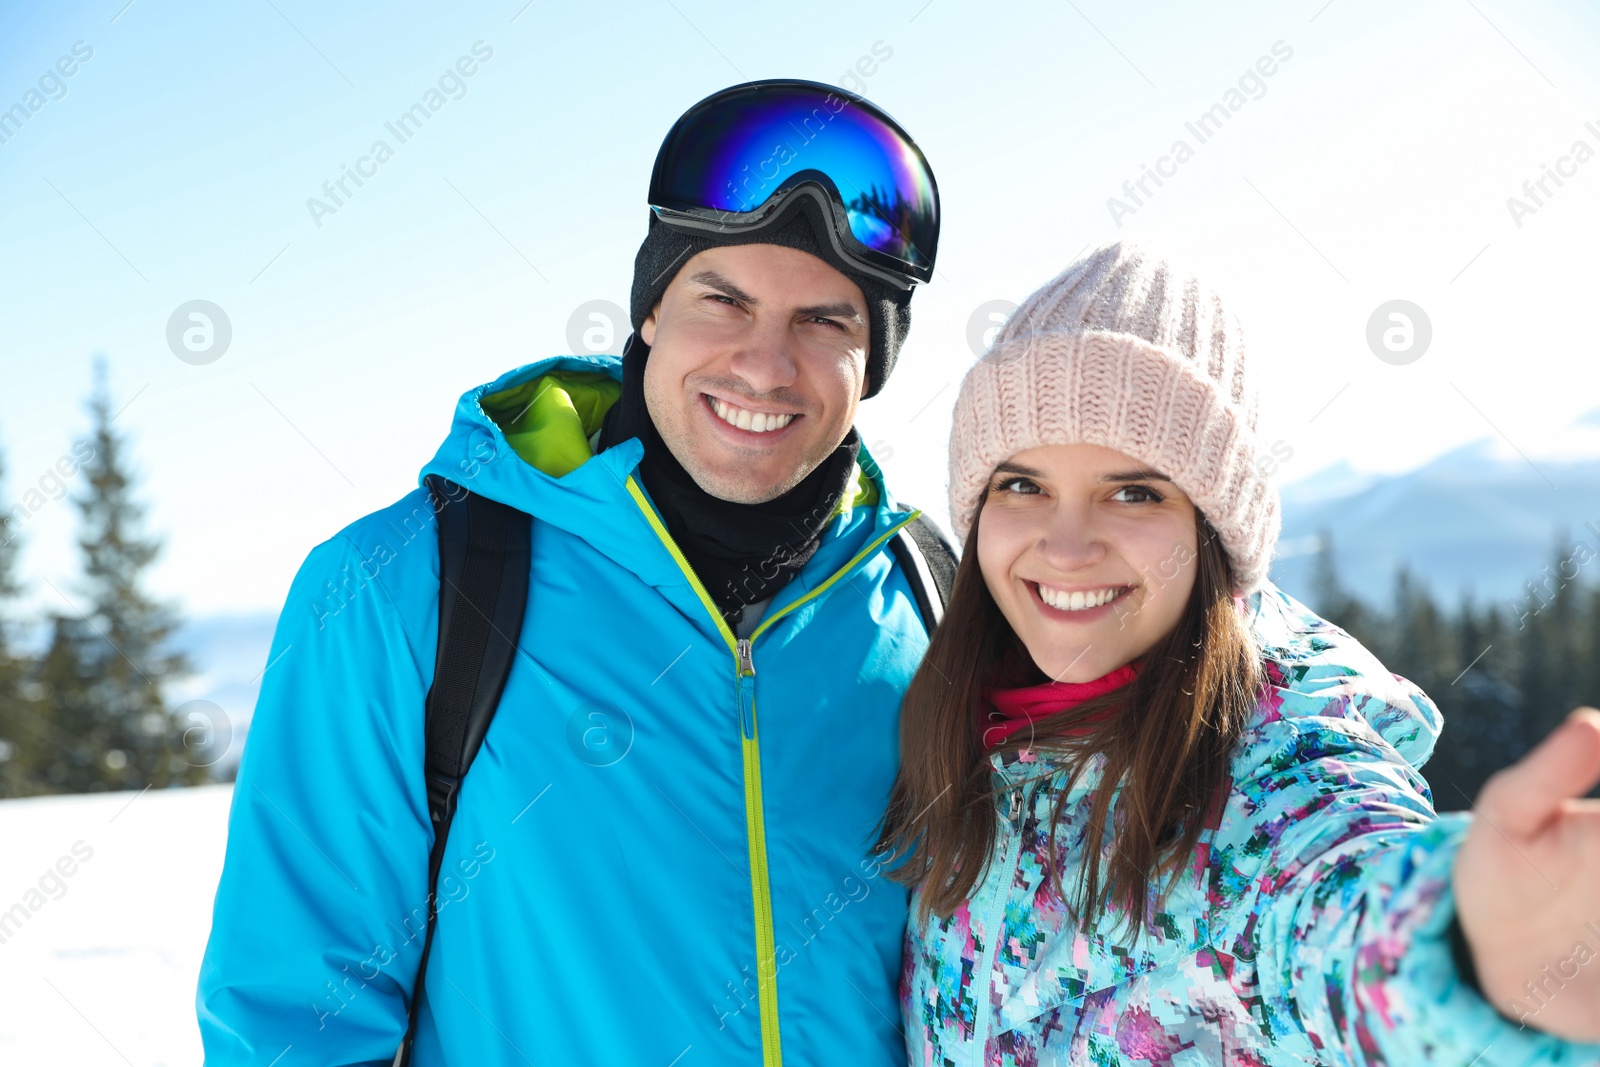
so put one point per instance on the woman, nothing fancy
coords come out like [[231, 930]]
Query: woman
[[1155, 811]]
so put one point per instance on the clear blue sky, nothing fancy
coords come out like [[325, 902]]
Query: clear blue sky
[[1373, 164]]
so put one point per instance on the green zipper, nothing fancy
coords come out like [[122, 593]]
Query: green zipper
[[750, 744]]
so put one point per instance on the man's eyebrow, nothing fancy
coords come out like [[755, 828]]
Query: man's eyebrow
[[843, 309], [713, 280]]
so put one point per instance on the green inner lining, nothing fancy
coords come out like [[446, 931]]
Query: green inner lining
[[549, 420]]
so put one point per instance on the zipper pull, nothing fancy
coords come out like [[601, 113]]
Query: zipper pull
[[747, 690], [1016, 804]]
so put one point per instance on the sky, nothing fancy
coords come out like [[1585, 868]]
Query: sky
[[1374, 164]]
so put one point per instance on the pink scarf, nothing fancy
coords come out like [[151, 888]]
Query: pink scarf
[[1016, 709]]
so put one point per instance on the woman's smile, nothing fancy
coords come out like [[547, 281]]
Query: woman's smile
[[1079, 604]]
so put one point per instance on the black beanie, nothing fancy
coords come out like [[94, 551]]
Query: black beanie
[[666, 249]]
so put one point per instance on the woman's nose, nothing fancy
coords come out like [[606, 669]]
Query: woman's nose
[[1070, 541]]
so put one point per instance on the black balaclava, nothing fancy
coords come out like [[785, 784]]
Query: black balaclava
[[742, 553]]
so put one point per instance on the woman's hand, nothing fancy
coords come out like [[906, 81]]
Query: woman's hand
[[1527, 884]]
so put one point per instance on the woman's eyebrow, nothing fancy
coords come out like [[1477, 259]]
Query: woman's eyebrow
[[1017, 468], [1142, 475]]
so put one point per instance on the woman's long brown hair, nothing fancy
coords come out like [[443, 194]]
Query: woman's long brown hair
[[1168, 746]]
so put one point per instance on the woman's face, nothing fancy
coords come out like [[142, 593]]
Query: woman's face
[[1089, 554]]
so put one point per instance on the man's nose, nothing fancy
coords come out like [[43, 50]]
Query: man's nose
[[765, 358]]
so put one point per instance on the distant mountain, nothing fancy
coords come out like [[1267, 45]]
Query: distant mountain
[[1483, 519]]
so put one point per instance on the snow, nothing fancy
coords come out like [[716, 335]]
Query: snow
[[103, 970]]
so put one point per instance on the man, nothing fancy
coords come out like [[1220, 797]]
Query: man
[[660, 853]]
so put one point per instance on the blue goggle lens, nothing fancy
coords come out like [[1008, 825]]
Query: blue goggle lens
[[734, 151]]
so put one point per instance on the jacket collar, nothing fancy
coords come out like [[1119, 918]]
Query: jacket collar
[[523, 440]]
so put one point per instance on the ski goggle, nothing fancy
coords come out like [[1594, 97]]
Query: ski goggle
[[735, 160]]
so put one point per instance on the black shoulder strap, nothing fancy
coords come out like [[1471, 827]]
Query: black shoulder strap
[[484, 562], [929, 562]]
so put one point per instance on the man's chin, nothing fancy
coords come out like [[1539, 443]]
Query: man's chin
[[744, 486]]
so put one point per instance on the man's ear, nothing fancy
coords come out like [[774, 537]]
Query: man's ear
[[647, 328]]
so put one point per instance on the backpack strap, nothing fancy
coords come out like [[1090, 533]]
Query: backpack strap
[[929, 563], [484, 560]]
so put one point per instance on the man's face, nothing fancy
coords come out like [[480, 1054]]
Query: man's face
[[758, 358]]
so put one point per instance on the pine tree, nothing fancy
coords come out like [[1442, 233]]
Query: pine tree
[[1567, 623], [15, 747], [1549, 650], [1588, 666], [1332, 601], [1502, 679], [1419, 640], [1483, 722], [108, 662]]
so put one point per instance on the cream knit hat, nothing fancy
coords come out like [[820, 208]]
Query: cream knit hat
[[1128, 351]]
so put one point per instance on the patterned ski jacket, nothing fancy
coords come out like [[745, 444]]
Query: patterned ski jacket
[[1308, 927]]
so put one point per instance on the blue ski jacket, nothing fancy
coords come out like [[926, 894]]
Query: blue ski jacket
[[661, 854]]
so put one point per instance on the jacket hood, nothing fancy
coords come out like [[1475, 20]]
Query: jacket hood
[[523, 440], [574, 394]]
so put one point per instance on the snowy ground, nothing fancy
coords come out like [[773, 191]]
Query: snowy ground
[[102, 970]]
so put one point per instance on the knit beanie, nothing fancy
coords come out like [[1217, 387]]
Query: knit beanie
[[1127, 351], [666, 249]]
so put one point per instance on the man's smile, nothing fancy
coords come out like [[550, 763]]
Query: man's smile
[[749, 420]]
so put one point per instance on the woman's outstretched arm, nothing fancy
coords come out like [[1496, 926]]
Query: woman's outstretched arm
[[1335, 877]]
